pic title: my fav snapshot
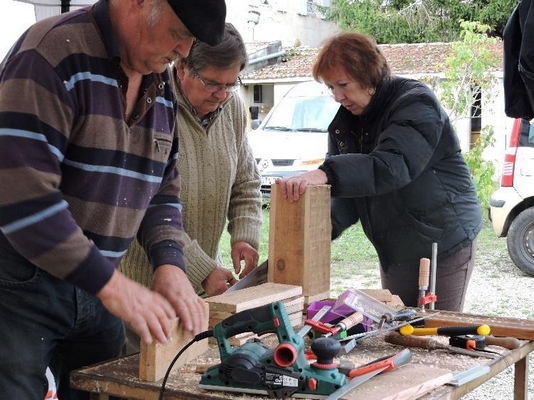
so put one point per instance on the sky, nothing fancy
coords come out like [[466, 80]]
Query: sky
[[15, 18]]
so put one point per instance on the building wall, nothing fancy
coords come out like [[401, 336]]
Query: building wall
[[289, 21]]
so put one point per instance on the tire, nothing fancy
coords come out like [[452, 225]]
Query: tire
[[520, 241]]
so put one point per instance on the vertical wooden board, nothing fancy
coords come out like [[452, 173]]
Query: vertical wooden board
[[317, 241], [155, 358], [300, 240], [285, 239]]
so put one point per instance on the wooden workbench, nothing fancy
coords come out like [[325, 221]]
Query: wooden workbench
[[423, 378]]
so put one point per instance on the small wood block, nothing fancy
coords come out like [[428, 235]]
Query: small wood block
[[296, 319], [241, 338], [251, 297], [293, 305], [155, 358], [396, 301], [236, 340], [383, 295], [300, 240], [320, 296]]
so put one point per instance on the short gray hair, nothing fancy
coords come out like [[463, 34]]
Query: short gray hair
[[229, 52]]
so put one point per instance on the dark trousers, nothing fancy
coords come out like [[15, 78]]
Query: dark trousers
[[45, 321], [452, 278]]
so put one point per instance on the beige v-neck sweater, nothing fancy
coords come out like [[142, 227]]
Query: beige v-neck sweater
[[220, 183]]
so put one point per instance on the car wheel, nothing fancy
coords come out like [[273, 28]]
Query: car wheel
[[520, 241]]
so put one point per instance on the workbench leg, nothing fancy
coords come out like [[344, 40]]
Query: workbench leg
[[97, 396], [521, 378]]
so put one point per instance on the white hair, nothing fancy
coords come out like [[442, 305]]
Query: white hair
[[157, 8]]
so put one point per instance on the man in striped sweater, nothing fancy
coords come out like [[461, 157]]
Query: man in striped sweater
[[87, 159]]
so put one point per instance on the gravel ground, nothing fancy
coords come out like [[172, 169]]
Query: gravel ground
[[498, 287]]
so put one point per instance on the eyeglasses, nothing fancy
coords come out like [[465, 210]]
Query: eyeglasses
[[212, 87]]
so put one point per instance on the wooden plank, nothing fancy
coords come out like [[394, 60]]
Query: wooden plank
[[256, 296], [513, 327], [408, 382], [300, 240], [293, 305], [156, 357]]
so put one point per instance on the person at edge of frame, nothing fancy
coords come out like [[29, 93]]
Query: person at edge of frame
[[219, 176], [88, 159], [518, 62], [395, 164]]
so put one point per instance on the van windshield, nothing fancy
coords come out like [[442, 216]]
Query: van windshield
[[304, 114]]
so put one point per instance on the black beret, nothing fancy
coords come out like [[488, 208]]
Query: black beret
[[204, 18]]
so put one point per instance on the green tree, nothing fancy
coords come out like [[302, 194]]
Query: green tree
[[405, 21], [467, 77]]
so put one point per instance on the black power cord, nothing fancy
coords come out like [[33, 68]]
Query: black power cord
[[197, 338]]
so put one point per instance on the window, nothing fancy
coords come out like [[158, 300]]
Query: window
[[258, 94]]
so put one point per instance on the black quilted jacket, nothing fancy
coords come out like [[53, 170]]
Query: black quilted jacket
[[398, 168]]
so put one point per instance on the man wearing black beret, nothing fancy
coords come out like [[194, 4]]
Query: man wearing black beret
[[88, 156]]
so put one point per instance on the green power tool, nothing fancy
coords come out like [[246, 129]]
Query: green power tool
[[280, 372]]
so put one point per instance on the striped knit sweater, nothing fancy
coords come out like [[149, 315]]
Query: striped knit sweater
[[220, 183], [78, 180]]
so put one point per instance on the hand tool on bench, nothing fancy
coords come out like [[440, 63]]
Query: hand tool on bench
[[375, 332], [425, 296], [345, 324], [255, 277], [446, 330], [365, 372], [431, 344], [433, 274], [479, 342], [509, 343], [316, 318], [402, 315], [327, 330]]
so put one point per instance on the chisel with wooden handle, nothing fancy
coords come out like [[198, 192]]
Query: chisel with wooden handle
[[483, 330], [505, 342], [430, 344]]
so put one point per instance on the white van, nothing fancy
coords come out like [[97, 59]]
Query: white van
[[293, 137], [512, 205]]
